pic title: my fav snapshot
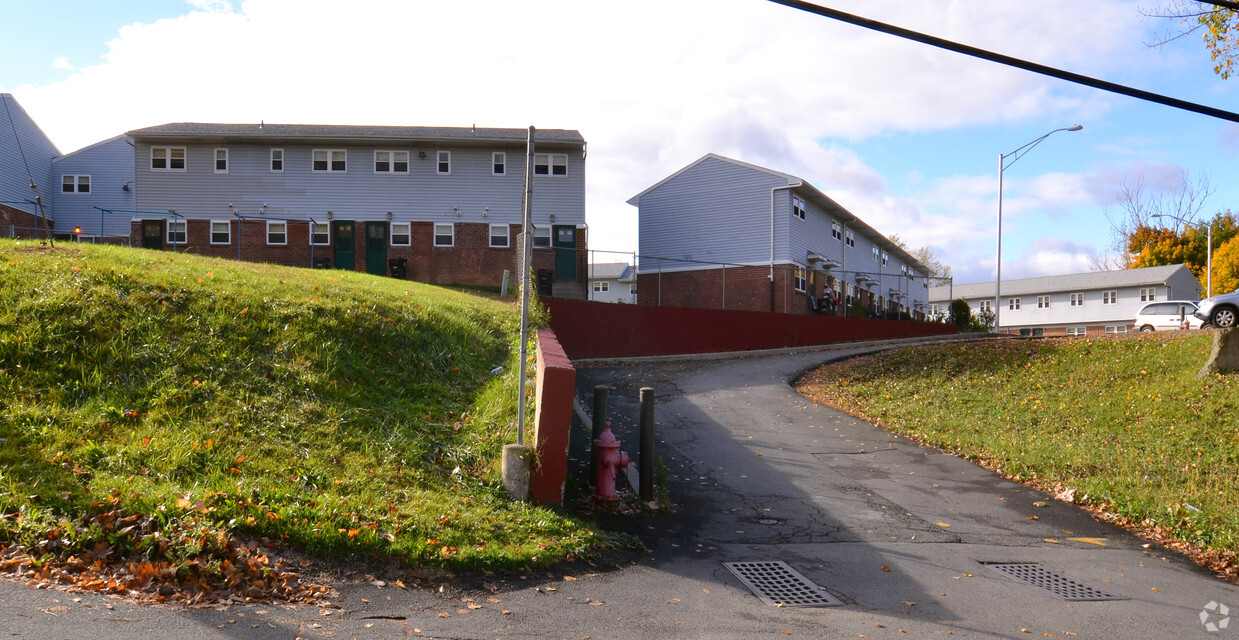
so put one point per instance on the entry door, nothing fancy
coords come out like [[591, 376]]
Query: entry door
[[376, 248], [565, 252], [342, 243], [152, 234]]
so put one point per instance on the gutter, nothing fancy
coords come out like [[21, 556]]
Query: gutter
[[772, 190]]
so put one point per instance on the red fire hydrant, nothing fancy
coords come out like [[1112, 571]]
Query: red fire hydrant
[[608, 460]]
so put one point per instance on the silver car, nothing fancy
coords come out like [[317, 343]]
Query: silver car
[[1219, 311]]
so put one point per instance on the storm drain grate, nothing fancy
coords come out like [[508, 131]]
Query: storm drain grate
[[781, 585], [1052, 581]]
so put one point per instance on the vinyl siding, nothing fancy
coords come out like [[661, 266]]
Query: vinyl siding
[[29, 148], [110, 167]]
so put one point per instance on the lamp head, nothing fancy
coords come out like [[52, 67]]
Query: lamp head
[[1075, 127]]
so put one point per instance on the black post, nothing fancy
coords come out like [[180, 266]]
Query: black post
[[647, 444], [601, 392]]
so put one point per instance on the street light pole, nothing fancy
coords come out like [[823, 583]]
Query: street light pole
[[1003, 165]]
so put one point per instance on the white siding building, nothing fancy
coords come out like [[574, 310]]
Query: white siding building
[[613, 282], [1077, 304]]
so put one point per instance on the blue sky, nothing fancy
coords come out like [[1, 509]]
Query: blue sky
[[903, 135]]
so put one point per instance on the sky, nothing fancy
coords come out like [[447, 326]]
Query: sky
[[905, 136]]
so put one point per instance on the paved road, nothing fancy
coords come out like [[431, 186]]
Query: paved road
[[899, 533]]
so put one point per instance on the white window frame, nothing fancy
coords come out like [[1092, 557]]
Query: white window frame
[[277, 155], [451, 234], [798, 207], [1121, 328], [632, 289], [1077, 331], [227, 231], [391, 162], [76, 181], [550, 165], [178, 232], [1110, 297], [1148, 295], [221, 154], [800, 279], [836, 230], [850, 238], [498, 163], [1013, 304], [443, 158], [406, 231], [330, 160], [985, 305], [602, 286], [876, 253], [541, 237], [168, 156], [1043, 302], [885, 258], [326, 233], [283, 225], [507, 238], [1077, 299]]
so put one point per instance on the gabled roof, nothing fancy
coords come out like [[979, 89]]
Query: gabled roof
[[610, 271], [1147, 276], [88, 148], [323, 132], [801, 187]]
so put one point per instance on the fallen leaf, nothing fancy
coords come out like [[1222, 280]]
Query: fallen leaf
[[943, 524], [474, 606], [400, 584], [448, 615], [886, 567], [1050, 540], [594, 603]]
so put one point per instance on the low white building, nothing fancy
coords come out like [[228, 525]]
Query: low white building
[[612, 282], [1092, 303]]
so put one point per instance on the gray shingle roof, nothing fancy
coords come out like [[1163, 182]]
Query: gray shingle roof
[[609, 270], [272, 132], [1065, 283]]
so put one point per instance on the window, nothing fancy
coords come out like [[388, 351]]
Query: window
[[176, 231], [1077, 299], [798, 208], [851, 239], [1109, 297], [445, 163], [1013, 304], [1148, 295], [550, 164], [1076, 331], [221, 232], [330, 160], [601, 286], [74, 184], [499, 235], [221, 161], [443, 234], [798, 279], [400, 234], [498, 163], [391, 161], [1122, 328], [933, 310], [277, 161], [541, 236], [632, 289], [320, 233], [985, 306], [1043, 302], [836, 231], [277, 232], [885, 257], [876, 253], [167, 158]]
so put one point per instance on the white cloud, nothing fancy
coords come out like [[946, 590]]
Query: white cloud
[[62, 63]]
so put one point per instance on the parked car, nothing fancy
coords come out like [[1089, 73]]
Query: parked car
[[1220, 311], [1168, 316]]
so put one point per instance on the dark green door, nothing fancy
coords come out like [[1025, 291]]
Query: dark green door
[[152, 234], [342, 243], [376, 248], [565, 252]]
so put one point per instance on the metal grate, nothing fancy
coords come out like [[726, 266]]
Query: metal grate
[[781, 585], [1052, 581]]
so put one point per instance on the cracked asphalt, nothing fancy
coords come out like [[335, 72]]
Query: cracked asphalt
[[901, 534]]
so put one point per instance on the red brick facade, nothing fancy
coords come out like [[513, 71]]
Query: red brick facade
[[15, 223], [469, 261]]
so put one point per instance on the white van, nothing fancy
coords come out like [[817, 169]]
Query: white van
[[1168, 316]]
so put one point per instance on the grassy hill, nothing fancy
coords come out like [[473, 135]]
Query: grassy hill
[[161, 407]]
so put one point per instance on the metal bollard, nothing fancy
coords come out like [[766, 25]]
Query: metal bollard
[[601, 393], [646, 447]]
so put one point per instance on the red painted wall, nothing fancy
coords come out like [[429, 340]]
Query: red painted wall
[[607, 330], [556, 387]]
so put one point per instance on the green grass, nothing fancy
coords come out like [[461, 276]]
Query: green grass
[[1124, 422], [332, 412]]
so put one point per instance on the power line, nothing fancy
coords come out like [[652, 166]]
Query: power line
[[1011, 62], [1225, 4]]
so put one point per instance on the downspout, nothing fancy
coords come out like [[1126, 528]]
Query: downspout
[[772, 190]]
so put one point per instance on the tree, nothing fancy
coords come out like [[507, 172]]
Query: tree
[[1144, 209], [1152, 246], [1226, 266], [1218, 27], [934, 268]]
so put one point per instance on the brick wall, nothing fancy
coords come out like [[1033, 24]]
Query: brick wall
[[15, 223]]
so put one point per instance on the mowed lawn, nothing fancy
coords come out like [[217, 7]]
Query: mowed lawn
[[176, 416], [1120, 424]]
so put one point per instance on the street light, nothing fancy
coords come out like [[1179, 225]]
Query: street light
[[1002, 166], [1208, 249]]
